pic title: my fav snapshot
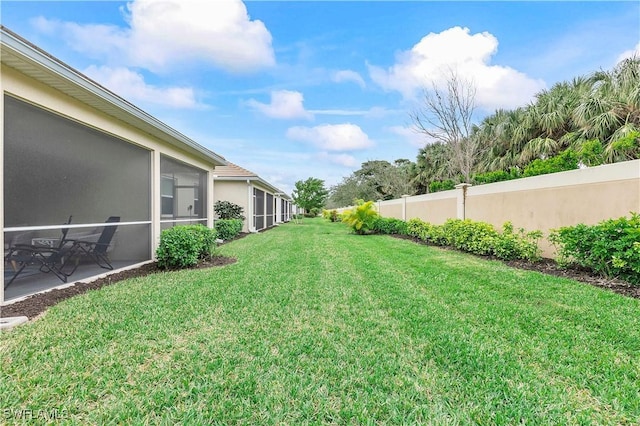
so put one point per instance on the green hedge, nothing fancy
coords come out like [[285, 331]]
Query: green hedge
[[479, 238], [228, 229], [183, 246], [441, 185], [611, 248], [389, 226]]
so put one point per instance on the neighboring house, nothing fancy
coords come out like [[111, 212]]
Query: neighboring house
[[264, 205], [73, 148]]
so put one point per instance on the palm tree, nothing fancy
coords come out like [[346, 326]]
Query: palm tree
[[601, 108], [432, 164], [611, 111], [504, 133], [551, 127]]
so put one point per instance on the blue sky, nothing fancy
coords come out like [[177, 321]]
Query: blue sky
[[298, 89]]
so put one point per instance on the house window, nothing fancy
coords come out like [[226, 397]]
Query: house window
[[183, 193], [167, 185]]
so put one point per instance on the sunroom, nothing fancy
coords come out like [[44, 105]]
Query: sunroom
[[89, 180]]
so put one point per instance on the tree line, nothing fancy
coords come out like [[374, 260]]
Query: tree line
[[588, 121]]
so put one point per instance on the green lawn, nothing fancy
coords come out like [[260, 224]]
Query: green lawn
[[316, 325]]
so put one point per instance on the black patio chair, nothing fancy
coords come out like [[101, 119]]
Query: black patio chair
[[96, 251], [46, 259]]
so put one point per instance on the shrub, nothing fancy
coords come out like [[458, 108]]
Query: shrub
[[426, 232], [490, 177], [183, 246], [479, 238], [626, 148], [416, 227], [520, 245], [314, 212], [610, 248], [390, 226], [228, 210], [228, 229], [441, 185], [496, 176], [331, 215], [345, 213], [566, 160], [467, 235], [591, 153], [361, 217]]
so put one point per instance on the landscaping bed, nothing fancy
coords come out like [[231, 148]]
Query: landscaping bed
[[34, 305], [551, 267]]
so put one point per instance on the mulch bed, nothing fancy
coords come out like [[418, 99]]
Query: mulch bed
[[550, 267], [34, 305]]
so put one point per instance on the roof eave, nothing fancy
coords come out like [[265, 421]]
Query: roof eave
[[263, 182], [107, 101]]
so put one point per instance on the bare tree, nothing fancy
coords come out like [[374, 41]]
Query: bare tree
[[446, 116]]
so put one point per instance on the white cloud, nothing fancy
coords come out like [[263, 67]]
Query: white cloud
[[332, 137], [284, 104], [630, 53], [417, 139], [469, 55], [348, 76], [373, 112], [95, 40], [342, 112], [344, 160], [131, 86], [164, 34]]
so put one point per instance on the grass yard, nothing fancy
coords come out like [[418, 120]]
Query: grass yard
[[316, 325]]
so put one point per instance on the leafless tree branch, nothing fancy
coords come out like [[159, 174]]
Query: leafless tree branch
[[446, 116]]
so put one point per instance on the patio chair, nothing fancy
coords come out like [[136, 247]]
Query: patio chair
[[45, 258], [96, 251]]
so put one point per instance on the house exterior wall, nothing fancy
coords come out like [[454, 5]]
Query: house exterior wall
[[235, 191], [240, 191], [18, 85]]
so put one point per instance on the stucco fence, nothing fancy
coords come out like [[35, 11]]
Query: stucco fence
[[542, 203]]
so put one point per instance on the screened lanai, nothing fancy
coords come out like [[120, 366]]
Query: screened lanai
[[59, 172], [89, 180]]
